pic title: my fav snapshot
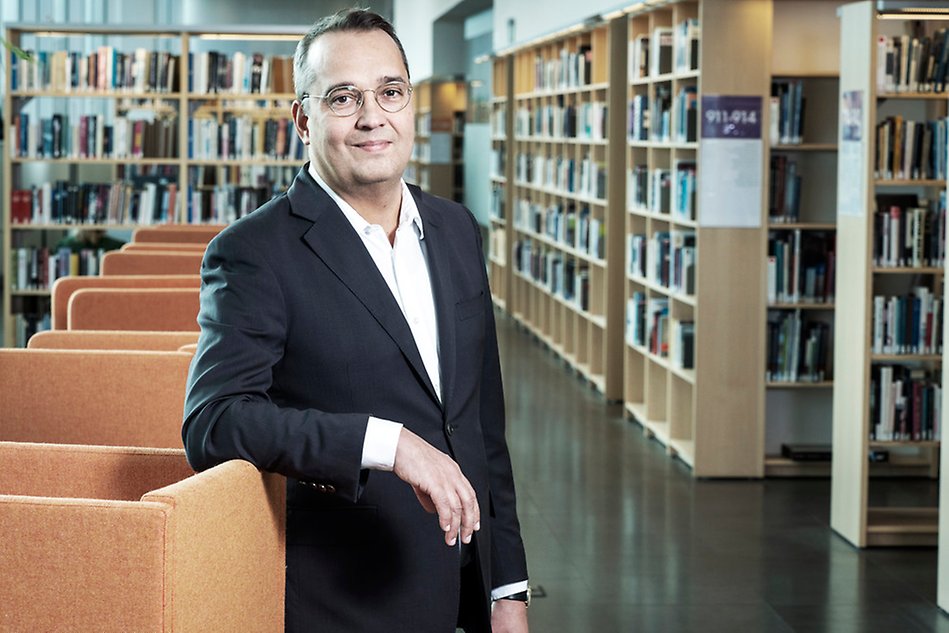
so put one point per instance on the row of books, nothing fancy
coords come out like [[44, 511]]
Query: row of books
[[142, 201], [784, 194], [908, 231], [239, 73], [651, 55], [498, 201], [908, 324], [562, 175], [223, 204], [563, 277], [912, 64], [797, 349], [801, 266], [90, 136], [498, 161], [36, 268], [499, 122], [449, 123], [662, 191], [910, 150], [648, 326], [905, 404], [272, 177], [244, 138], [787, 111], [570, 69], [667, 259], [663, 119], [567, 224], [497, 244], [104, 69], [586, 121], [26, 324]]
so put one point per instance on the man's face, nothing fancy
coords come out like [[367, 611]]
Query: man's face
[[372, 146]]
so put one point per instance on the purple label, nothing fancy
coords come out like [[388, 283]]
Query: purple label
[[731, 117]]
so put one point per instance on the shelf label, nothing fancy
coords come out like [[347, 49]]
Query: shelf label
[[850, 162], [730, 162]]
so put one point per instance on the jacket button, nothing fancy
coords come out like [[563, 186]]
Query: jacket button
[[450, 429]]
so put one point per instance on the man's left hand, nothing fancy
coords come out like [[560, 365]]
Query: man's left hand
[[509, 616]]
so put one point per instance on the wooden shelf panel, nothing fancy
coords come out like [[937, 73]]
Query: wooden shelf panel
[[554, 140], [777, 384], [104, 161], [683, 145], [669, 292], [662, 217], [560, 246], [801, 306], [66, 227], [803, 226], [100, 94], [893, 182], [905, 358], [562, 194], [805, 147], [893, 527], [934, 96]]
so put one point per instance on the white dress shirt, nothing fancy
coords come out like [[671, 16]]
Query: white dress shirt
[[402, 264]]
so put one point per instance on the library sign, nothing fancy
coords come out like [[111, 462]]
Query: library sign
[[730, 155]]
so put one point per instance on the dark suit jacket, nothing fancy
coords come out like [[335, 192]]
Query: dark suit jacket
[[301, 341]]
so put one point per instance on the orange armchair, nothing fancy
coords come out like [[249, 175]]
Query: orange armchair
[[151, 263], [113, 539], [65, 286], [114, 340], [140, 309], [196, 234], [112, 398]]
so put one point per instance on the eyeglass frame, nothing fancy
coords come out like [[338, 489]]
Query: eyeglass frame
[[362, 96]]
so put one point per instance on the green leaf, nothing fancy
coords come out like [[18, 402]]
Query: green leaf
[[19, 52]]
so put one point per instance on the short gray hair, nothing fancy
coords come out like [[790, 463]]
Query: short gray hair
[[345, 20]]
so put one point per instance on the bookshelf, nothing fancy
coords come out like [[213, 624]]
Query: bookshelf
[[502, 174], [110, 128], [876, 201], [693, 364], [566, 196], [801, 233], [436, 165]]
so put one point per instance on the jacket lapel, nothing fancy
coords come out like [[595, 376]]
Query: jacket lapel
[[438, 255], [332, 239]]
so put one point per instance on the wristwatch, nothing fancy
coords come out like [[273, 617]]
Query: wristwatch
[[523, 596]]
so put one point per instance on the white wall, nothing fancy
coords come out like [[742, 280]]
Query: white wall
[[532, 20], [413, 21]]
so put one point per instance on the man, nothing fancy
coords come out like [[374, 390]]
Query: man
[[348, 342]]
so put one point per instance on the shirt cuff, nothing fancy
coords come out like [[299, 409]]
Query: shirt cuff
[[378, 449], [508, 590]]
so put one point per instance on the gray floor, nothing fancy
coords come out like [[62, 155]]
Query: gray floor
[[621, 538]]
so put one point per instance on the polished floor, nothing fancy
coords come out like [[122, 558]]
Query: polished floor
[[621, 538]]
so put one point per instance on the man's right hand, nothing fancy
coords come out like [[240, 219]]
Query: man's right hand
[[439, 485]]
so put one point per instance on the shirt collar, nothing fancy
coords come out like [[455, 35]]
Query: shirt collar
[[407, 213]]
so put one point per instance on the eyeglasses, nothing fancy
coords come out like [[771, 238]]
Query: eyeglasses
[[347, 100]]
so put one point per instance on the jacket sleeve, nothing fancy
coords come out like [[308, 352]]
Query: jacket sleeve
[[228, 412], [508, 560]]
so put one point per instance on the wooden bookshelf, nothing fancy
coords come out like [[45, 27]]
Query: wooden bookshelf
[[805, 56], [501, 228], [565, 192], [207, 188], [437, 156], [857, 427], [707, 415]]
